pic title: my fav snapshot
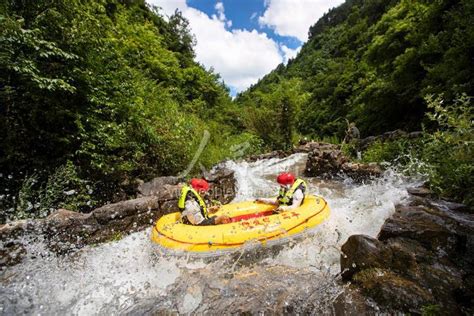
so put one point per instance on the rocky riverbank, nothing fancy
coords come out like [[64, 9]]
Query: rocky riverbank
[[65, 230], [327, 161], [422, 261]]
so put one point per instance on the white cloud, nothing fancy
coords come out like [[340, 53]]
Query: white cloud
[[294, 17], [289, 53], [241, 57], [169, 6], [220, 11]]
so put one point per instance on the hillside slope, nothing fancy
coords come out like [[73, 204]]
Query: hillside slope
[[95, 94], [372, 62]]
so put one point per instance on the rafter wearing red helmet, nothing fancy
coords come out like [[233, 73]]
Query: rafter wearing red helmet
[[291, 194], [193, 209]]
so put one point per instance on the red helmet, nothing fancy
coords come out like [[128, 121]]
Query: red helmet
[[199, 184], [286, 178]]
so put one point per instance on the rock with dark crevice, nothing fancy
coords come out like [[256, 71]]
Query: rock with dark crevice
[[125, 208], [12, 243], [351, 302], [324, 163], [420, 191], [361, 171], [223, 184], [328, 162], [157, 185], [362, 252], [273, 154], [423, 257], [316, 146], [388, 136], [393, 291]]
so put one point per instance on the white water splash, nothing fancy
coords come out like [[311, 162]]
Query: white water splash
[[114, 277]]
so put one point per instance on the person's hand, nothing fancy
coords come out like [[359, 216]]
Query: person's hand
[[223, 219], [213, 209], [279, 209]]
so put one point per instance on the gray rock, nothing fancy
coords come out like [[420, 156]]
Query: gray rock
[[270, 155], [351, 302], [155, 186], [393, 292], [125, 208], [424, 256], [313, 146], [420, 191], [12, 247], [327, 162], [416, 223], [223, 184], [360, 172], [361, 252]]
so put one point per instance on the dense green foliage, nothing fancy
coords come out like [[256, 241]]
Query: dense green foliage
[[445, 156], [374, 61], [272, 114], [97, 94], [449, 151]]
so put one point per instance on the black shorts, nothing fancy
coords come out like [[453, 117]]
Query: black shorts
[[208, 221]]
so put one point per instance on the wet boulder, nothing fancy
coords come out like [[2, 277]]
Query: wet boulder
[[12, 248], [351, 302], [425, 226], [324, 163], [392, 291], [327, 162], [316, 146], [273, 154], [65, 230], [423, 258], [157, 185], [394, 135], [420, 191], [223, 184], [363, 252], [124, 209], [387, 136], [416, 134], [360, 171]]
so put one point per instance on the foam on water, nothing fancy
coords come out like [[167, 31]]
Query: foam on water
[[116, 276]]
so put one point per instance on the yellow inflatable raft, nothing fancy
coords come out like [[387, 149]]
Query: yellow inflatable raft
[[250, 221]]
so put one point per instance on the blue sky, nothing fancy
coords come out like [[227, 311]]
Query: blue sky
[[243, 40], [244, 15]]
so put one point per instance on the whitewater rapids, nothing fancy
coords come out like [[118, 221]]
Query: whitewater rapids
[[129, 276]]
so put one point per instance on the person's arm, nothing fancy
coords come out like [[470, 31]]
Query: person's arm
[[213, 209], [298, 197], [208, 221], [267, 201], [193, 214]]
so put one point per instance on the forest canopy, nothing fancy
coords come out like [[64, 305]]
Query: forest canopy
[[96, 94], [373, 63]]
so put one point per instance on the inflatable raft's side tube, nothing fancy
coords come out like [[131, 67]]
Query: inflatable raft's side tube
[[170, 233]]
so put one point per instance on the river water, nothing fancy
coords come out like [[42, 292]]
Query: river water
[[131, 276]]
